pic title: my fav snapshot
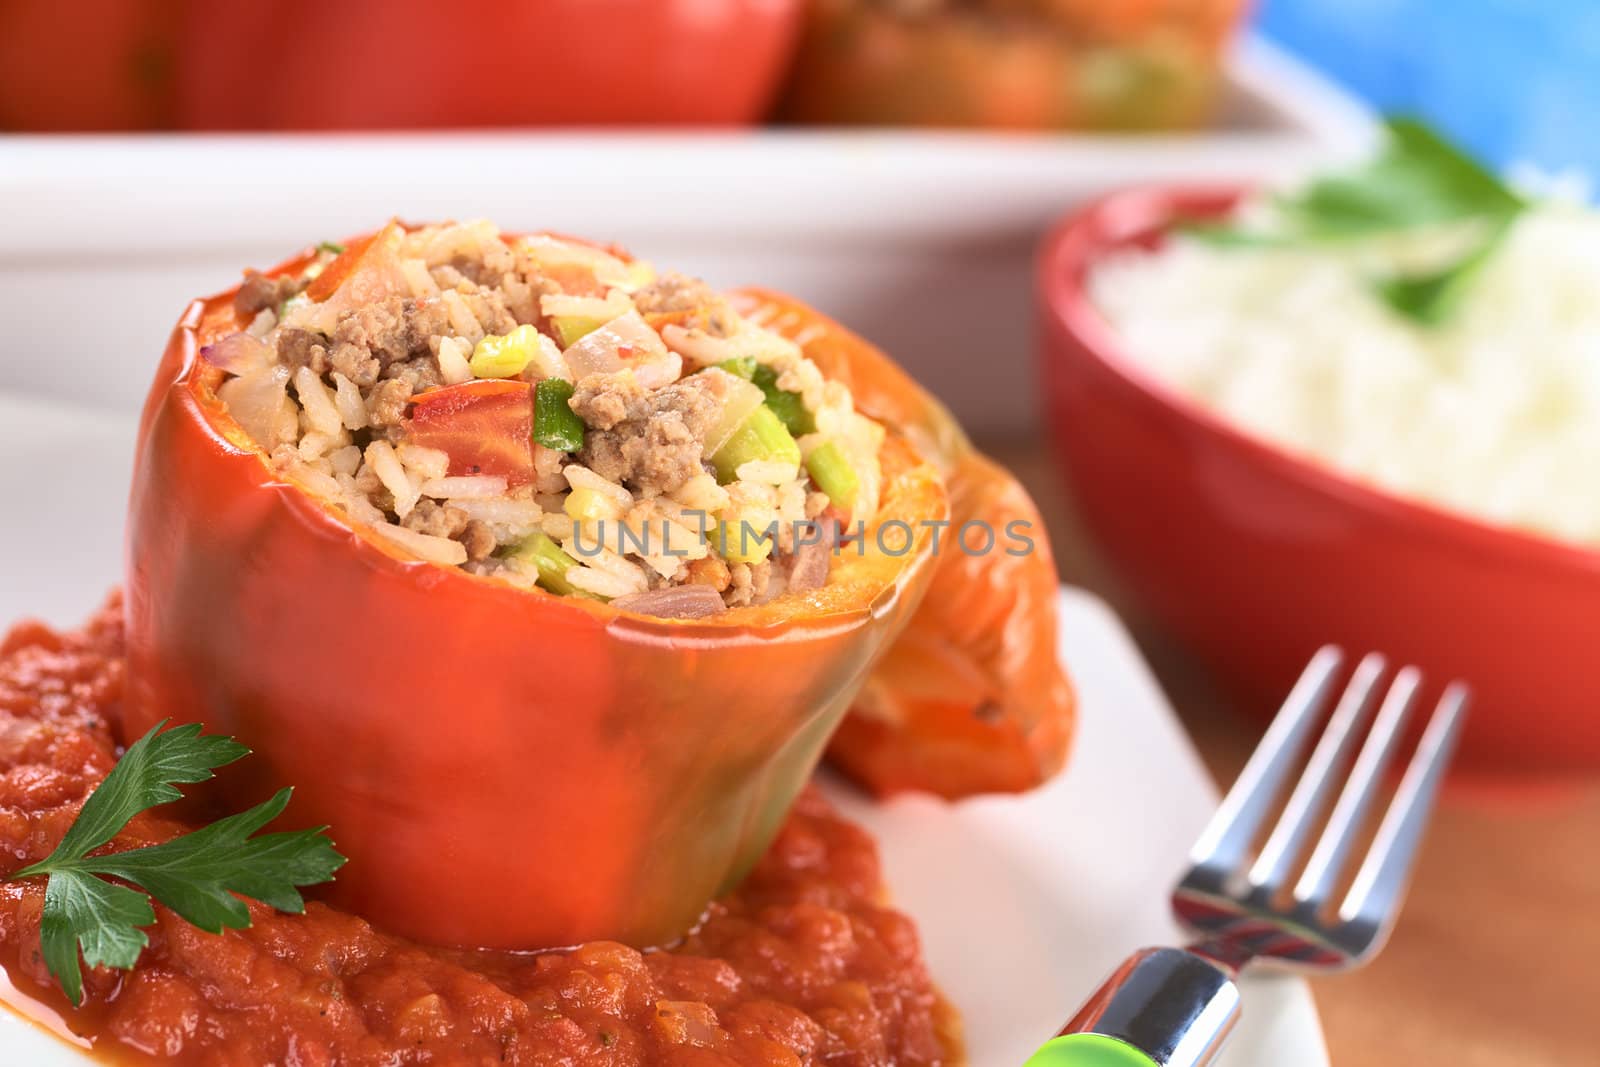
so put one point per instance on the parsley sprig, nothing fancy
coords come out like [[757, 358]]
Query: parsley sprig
[[1419, 181], [196, 875]]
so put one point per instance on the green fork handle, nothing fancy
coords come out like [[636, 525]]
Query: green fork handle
[[1164, 1007], [1089, 1050]]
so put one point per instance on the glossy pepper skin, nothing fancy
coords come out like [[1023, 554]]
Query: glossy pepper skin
[[504, 768], [972, 698]]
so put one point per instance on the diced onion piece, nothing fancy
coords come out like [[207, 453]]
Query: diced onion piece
[[259, 402], [741, 399], [677, 602], [238, 353], [602, 352], [548, 362]]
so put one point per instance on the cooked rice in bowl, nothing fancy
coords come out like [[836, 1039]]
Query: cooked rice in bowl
[[552, 414]]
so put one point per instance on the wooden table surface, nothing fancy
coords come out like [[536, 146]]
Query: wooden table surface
[[1496, 960]]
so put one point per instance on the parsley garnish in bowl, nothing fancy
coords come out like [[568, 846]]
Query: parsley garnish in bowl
[[1418, 181]]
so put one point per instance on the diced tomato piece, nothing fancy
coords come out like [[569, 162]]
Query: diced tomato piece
[[324, 284], [485, 427]]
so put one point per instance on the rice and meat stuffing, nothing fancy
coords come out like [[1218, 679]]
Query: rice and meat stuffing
[[550, 413]]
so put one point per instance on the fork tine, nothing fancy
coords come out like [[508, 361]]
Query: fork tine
[[1339, 836], [1222, 846], [1375, 896], [1310, 797]]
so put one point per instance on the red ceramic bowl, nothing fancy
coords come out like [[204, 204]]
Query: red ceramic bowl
[[1254, 557]]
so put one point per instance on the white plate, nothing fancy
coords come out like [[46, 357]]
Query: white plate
[[922, 241], [1024, 903]]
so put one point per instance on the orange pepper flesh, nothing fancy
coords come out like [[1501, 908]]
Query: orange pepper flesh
[[972, 698], [503, 768]]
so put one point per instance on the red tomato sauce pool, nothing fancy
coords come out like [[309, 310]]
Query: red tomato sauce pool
[[802, 965]]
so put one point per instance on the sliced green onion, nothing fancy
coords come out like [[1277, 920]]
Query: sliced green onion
[[542, 553], [555, 425], [788, 405], [570, 329], [333, 247], [834, 474], [740, 366], [761, 436]]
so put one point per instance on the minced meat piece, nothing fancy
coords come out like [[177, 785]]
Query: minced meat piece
[[303, 348], [604, 400], [478, 539], [392, 330], [386, 404], [674, 294], [435, 519], [258, 292], [657, 446]]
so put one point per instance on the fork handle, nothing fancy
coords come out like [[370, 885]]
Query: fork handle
[[1163, 1007]]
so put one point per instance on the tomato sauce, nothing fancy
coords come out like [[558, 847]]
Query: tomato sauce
[[801, 965]]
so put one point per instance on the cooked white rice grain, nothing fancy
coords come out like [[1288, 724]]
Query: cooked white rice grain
[[768, 472], [428, 463], [418, 279], [581, 477], [508, 512], [347, 399], [440, 550], [346, 460], [604, 583], [466, 487], [386, 465], [317, 402], [557, 525], [462, 320], [315, 446], [454, 356], [263, 323], [701, 493], [316, 482]]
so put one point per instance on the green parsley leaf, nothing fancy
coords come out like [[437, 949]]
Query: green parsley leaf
[[196, 875], [143, 778], [1419, 180], [80, 909]]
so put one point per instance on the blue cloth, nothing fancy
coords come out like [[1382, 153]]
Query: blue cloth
[[1513, 80]]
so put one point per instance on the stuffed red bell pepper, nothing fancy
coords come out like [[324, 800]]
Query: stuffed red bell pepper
[[543, 577]]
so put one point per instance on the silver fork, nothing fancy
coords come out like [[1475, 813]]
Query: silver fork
[[1176, 1007]]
